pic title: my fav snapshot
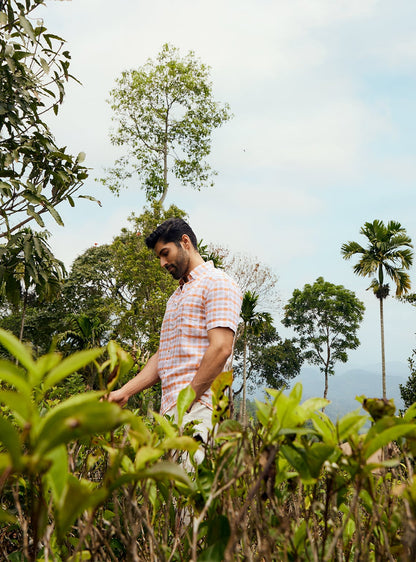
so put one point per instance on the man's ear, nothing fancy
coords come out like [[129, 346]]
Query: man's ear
[[186, 241]]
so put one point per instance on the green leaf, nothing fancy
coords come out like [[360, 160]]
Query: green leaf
[[32, 213], [71, 365], [18, 350], [79, 495], [81, 157], [296, 393], [45, 65], [313, 405], [11, 441], [316, 455], [27, 26], [6, 517], [185, 399], [264, 411], [165, 424], [324, 427], [57, 475], [373, 444], [146, 455], [228, 429], [163, 470], [220, 397], [20, 405], [90, 198], [296, 458], [350, 424], [13, 375], [55, 214], [182, 443], [77, 417], [80, 556]]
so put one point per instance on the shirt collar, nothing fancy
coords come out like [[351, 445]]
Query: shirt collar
[[198, 271]]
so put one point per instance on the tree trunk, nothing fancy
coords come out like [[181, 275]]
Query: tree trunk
[[243, 403], [165, 163], [383, 360], [22, 324], [326, 384]]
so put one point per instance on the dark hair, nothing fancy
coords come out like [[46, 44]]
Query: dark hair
[[171, 230]]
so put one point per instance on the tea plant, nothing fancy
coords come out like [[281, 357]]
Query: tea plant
[[82, 479]]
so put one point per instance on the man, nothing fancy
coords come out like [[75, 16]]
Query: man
[[198, 328]]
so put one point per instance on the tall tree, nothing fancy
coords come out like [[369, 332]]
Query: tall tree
[[388, 254], [165, 114], [27, 263], [326, 317], [253, 323], [271, 362], [36, 175]]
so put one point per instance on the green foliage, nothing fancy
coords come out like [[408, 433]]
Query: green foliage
[[408, 390], [271, 361], [36, 175], [165, 114], [26, 262], [114, 291], [35, 435], [326, 317], [284, 490]]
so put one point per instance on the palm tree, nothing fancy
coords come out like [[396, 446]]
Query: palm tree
[[387, 253], [253, 324], [27, 264]]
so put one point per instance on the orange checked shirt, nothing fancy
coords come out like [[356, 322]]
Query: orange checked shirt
[[209, 299]]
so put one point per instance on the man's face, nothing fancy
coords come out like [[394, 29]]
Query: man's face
[[174, 258]]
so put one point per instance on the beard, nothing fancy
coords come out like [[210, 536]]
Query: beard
[[179, 268]]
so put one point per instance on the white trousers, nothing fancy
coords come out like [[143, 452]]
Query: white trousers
[[203, 415]]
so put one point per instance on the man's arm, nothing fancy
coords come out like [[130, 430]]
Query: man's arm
[[220, 347], [147, 377]]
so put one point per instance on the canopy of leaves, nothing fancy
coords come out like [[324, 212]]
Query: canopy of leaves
[[165, 114], [35, 174], [26, 262], [326, 318], [387, 253], [271, 361]]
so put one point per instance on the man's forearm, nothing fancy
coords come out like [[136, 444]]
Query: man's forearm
[[211, 366], [147, 377]]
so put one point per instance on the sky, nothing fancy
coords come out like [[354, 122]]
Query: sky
[[322, 139]]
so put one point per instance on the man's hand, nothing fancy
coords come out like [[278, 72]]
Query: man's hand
[[119, 397], [146, 378]]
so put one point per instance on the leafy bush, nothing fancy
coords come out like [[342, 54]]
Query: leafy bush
[[82, 479]]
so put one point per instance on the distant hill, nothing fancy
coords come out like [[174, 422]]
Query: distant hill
[[345, 386]]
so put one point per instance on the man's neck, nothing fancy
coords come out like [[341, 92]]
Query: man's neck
[[194, 262]]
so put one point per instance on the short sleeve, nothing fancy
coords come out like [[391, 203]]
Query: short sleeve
[[223, 303]]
